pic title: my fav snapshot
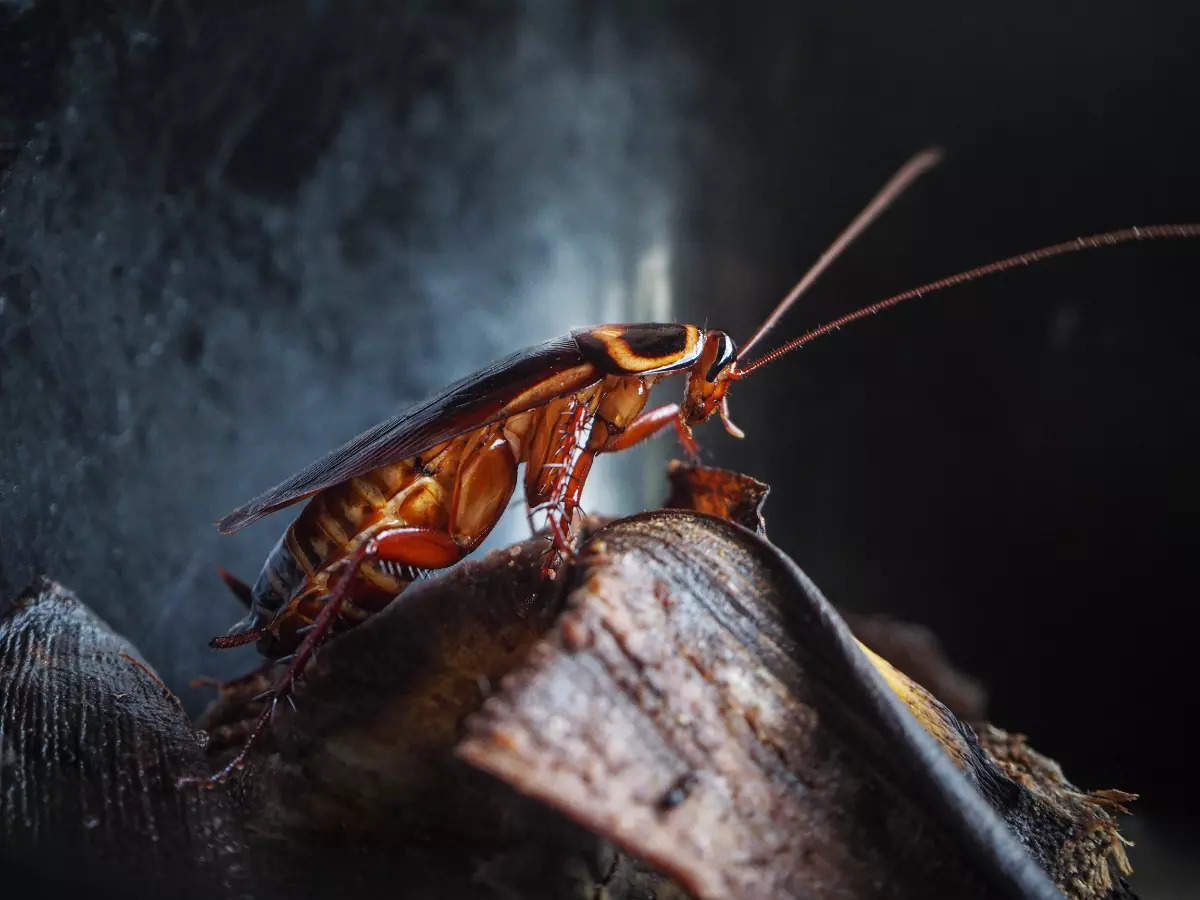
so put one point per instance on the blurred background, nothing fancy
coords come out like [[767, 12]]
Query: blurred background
[[234, 234]]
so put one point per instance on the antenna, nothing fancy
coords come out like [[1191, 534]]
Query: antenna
[[1095, 241], [896, 185]]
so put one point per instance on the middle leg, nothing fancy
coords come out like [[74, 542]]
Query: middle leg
[[554, 476]]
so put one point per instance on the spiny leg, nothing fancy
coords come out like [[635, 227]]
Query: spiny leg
[[555, 485], [425, 548], [287, 682], [564, 498], [573, 471], [560, 511]]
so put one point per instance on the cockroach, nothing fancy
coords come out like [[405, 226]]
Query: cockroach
[[421, 490]]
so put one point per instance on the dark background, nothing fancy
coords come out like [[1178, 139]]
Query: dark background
[[235, 234]]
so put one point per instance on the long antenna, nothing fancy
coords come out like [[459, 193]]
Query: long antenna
[[1095, 241], [896, 185]]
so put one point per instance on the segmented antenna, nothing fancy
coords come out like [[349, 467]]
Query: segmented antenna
[[896, 185], [1095, 241]]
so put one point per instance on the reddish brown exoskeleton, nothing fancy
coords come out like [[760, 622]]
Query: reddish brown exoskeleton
[[423, 489]]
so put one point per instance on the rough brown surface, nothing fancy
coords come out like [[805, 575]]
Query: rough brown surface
[[370, 749], [672, 711], [696, 720], [1090, 859], [91, 743]]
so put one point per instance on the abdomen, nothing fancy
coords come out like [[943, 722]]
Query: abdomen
[[306, 562]]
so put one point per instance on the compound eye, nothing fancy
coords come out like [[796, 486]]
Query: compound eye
[[726, 352]]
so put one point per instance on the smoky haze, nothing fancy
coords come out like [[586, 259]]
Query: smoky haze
[[203, 342]]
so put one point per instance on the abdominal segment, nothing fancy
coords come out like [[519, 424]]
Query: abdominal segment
[[457, 490]]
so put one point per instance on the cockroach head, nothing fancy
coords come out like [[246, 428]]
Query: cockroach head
[[708, 381]]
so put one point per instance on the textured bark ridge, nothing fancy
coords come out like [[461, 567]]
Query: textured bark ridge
[[680, 713], [91, 743], [701, 705]]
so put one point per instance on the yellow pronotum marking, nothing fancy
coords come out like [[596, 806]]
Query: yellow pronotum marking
[[618, 349]]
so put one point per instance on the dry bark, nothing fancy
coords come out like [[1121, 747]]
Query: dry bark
[[679, 713]]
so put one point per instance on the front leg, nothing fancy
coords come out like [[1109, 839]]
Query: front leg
[[649, 424], [561, 506]]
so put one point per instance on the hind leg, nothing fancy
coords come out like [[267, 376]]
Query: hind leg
[[560, 503], [425, 548]]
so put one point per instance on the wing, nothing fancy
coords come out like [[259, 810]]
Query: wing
[[522, 381]]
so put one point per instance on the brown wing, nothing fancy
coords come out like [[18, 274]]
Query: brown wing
[[524, 380]]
